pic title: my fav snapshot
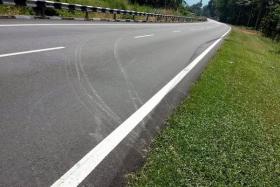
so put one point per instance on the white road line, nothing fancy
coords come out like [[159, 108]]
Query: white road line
[[95, 24], [87, 164], [177, 31], [32, 51], [144, 36], [63, 24]]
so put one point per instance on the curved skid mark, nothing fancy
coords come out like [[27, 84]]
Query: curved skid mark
[[73, 87], [130, 87], [100, 102], [133, 94]]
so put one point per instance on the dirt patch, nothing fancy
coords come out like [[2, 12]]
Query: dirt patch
[[252, 32]]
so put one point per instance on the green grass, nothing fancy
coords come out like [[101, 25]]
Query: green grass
[[227, 133], [13, 10]]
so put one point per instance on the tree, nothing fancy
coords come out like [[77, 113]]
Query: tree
[[270, 24], [196, 8], [260, 14], [160, 3]]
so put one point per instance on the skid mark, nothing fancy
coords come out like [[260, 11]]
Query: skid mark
[[91, 91], [133, 94]]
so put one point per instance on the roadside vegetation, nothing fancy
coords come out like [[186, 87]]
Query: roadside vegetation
[[263, 15], [171, 8], [227, 133]]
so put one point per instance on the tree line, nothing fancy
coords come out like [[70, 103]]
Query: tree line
[[178, 5], [262, 15], [174, 4]]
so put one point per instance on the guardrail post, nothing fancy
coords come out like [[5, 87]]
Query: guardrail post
[[133, 17], [115, 16], [147, 18], [85, 10], [86, 16], [157, 19], [20, 2], [41, 5], [71, 8]]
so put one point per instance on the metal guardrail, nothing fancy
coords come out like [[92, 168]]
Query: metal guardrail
[[42, 5]]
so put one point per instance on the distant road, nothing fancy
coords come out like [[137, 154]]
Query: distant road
[[66, 85]]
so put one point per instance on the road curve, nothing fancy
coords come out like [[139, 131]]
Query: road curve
[[66, 85]]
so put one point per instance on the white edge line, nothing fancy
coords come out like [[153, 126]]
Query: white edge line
[[143, 36], [91, 24], [92, 159], [31, 51]]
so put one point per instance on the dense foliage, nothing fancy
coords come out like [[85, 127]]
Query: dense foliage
[[179, 6], [160, 3], [263, 15]]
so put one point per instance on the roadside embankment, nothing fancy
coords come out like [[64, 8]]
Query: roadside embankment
[[228, 131]]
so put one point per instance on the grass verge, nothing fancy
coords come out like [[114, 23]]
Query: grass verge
[[228, 131]]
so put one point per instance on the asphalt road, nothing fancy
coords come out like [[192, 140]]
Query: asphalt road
[[73, 83]]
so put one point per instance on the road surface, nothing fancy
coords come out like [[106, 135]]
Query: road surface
[[66, 85]]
